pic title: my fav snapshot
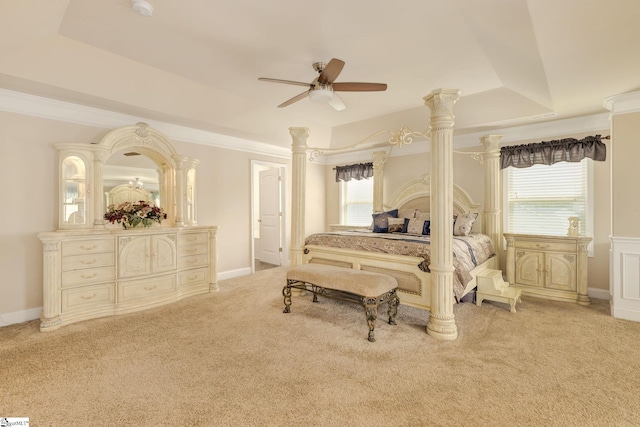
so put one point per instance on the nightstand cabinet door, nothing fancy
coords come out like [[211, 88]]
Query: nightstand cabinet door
[[529, 268], [561, 272], [553, 267]]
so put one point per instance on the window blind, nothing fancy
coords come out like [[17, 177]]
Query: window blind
[[357, 205], [541, 198]]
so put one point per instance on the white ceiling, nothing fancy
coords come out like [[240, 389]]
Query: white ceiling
[[196, 63]]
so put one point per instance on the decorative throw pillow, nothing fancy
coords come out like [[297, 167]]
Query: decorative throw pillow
[[381, 220], [426, 228], [396, 225], [463, 223]]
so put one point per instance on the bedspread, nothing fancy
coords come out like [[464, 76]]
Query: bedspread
[[468, 251]]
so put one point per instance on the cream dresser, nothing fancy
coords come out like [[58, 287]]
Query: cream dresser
[[553, 267], [95, 274], [92, 268]]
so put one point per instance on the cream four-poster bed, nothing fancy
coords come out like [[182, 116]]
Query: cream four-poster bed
[[431, 290]]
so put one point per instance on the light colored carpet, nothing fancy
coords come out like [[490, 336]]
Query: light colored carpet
[[234, 359]]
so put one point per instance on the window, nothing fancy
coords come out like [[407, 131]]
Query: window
[[541, 198], [357, 202]]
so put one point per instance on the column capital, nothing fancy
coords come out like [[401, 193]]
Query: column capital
[[491, 142], [379, 157], [299, 137], [441, 102]]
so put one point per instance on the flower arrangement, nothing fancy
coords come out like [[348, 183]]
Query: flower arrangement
[[134, 214]]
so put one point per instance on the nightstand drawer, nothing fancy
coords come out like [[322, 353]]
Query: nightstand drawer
[[545, 245]]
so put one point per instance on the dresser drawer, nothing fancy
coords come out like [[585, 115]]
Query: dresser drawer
[[88, 297], [77, 247], [191, 238], [78, 262], [146, 289], [186, 278], [187, 250], [545, 245], [88, 275], [193, 261]]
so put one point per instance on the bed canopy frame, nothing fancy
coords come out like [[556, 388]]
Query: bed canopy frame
[[441, 322]]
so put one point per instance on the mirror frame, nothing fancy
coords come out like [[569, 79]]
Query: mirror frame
[[147, 141]]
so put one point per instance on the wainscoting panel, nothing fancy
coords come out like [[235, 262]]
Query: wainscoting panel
[[625, 278]]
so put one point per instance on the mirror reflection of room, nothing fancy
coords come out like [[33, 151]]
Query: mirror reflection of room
[[129, 176]]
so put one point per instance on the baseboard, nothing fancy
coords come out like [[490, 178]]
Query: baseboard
[[234, 273], [598, 293], [7, 319], [626, 314]]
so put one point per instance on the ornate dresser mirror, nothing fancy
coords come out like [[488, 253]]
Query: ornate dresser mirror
[[84, 193], [92, 268]]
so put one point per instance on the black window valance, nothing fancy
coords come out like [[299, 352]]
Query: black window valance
[[550, 152], [357, 171]]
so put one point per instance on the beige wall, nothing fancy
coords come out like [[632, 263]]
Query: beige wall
[[29, 177], [625, 177], [468, 174]]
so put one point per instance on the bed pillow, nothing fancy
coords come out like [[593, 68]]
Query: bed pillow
[[418, 226], [463, 223], [396, 225], [381, 220]]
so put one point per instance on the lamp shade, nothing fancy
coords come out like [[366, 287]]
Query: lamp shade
[[321, 95]]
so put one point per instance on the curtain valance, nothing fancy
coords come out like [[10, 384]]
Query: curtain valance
[[550, 152], [357, 171]]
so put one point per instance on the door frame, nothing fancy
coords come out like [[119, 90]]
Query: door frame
[[256, 166]]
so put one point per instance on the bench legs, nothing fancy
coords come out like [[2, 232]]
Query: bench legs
[[370, 304]]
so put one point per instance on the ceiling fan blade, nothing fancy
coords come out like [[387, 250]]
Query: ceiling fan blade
[[331, 71], [296, 98], [287, 82], [359, 87], [337, 103]]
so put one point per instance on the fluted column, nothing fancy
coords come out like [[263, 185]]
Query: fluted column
[[299, 159], [492, 193], [97, 187], [51, 307], [213, 260], [180, 195], [379, 157], [441, 323]]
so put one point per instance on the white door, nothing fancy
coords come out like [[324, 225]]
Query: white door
[[269, 194]]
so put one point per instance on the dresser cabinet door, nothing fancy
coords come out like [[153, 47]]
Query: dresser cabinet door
[[134, 257], [163, 253]]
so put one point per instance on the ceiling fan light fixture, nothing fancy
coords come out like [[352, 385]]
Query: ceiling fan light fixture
[[142, 7], [321, 95]]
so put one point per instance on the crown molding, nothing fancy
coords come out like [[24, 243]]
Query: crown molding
[[46, 108], [623, 103]]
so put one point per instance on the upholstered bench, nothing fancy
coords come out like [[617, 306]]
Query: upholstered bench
[[363, 287]]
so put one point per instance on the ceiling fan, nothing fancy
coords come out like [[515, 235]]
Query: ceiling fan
[[322, 89]]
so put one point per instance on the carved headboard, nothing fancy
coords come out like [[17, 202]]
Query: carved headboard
[[416, 194]]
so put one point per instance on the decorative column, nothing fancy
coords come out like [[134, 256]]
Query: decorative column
[[442, 323], [213, 261], [99, 156], [51, 300], [181, 195], [299, 164], [379, 157], [492, 192]]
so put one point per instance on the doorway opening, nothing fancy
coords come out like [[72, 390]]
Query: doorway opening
[[268, 243]]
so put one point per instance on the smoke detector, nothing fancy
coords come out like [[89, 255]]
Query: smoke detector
[[142, 7]]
